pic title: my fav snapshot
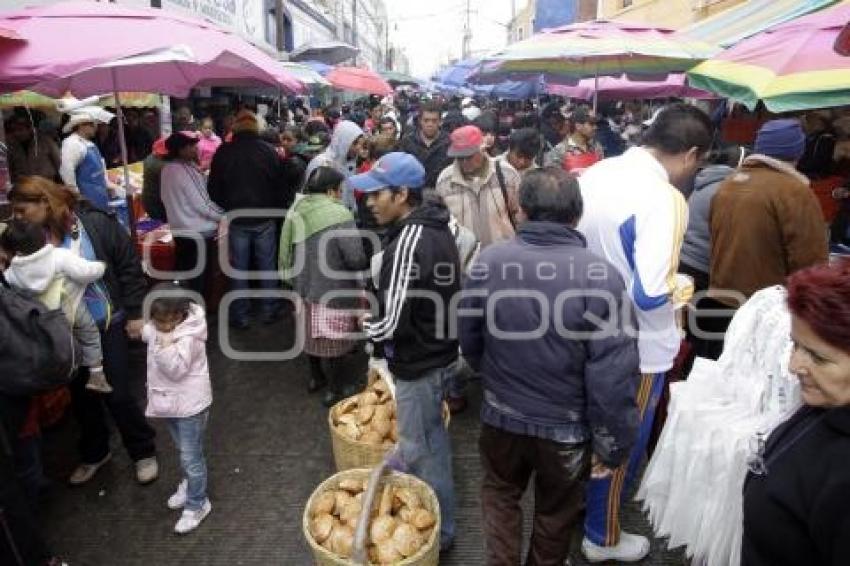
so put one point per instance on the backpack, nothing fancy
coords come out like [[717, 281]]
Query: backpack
[[36, 346]]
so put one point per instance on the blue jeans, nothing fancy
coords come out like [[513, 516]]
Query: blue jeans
[[255, 242], [188, 435], [424, 444], [459, 378]]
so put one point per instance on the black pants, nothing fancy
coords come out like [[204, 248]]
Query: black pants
[[335, 371], [186, 255], [710, 317], [21, 543], [90, 407], [508, 461]]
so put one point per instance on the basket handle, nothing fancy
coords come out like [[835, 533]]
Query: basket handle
[[362, 530]]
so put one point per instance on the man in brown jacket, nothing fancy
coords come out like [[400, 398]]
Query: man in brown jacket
[[765, 220]]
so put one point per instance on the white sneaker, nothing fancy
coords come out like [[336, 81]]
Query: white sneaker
[[178, 498], [631, 548], [190, 520], [147, 470]]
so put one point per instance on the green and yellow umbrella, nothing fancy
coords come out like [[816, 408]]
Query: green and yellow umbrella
[[599, 48], [791, 66]]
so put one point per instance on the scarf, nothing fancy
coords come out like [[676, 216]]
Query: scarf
[[308, 217]]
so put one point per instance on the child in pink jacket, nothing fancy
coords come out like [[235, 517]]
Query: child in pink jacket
[[180, 392]]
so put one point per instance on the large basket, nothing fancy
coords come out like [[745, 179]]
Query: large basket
[[428, 555], [350, 454]]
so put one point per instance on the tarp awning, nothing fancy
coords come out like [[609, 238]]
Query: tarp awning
[[731, 26]]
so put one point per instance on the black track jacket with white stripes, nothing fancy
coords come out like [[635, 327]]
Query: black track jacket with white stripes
[[420, 275]]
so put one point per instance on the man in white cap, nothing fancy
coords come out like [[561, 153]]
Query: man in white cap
[[82, 166]]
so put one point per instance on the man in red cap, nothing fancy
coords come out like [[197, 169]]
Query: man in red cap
[[481, 192]]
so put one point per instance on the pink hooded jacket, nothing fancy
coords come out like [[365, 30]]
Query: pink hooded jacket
[[178, 372]]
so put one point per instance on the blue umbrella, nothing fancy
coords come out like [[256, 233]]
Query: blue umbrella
[[457, 74]]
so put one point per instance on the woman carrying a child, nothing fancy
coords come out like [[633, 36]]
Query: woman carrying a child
[[116, 307]]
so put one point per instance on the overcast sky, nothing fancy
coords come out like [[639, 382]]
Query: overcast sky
[[432, 32]]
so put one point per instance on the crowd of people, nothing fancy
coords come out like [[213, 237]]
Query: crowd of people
[[460, 240]]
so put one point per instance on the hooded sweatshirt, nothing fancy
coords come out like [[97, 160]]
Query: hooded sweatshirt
[[336, 156], [419, 265], [696, 249], [178, 371], [35, 273]]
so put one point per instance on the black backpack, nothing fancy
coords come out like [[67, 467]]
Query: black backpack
[[36, 346]]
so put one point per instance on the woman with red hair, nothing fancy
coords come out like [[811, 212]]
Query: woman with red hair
[[796, 509]]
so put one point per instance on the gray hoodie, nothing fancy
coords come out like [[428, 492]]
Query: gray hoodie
[[696, 249], [336, 156]]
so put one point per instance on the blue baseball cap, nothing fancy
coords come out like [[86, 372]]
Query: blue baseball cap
[[395, 169]]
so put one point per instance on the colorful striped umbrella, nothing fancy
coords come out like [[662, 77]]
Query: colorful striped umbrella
[[792, 66], [599, 48]]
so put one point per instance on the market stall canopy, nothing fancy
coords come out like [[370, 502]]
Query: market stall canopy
[[598, 48], [358, 80], [330, 52], [31, 99], [623, 88], [399, 79], [792, 66], [89, 48], [749, 18], [305, 74]]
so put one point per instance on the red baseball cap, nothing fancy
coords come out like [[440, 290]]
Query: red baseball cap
[[466, 141]]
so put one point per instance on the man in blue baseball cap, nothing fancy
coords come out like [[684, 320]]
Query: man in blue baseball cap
[[419, 275]]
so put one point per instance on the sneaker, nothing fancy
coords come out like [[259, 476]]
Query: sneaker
[[178, 498], [631, 548], [97, 382], [147, 470], [85, 472], [190, 520]]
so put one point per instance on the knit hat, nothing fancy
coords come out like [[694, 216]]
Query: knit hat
[[245, 121], [782, 139]]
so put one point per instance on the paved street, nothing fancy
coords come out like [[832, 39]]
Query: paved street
[[268, 449]]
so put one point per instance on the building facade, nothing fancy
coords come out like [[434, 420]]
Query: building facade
[[663, 13], [537, 15]]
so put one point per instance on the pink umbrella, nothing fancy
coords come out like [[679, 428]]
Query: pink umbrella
[[89, 48], [359, 80], [618, 88], [77, 46]]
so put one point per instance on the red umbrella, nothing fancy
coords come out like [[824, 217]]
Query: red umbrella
[[360, 80]]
